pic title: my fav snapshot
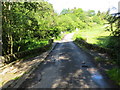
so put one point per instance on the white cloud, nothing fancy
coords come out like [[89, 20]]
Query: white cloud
[[96, 5]]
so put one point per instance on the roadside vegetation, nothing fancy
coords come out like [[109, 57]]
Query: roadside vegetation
[[29, 25], [105, 34]]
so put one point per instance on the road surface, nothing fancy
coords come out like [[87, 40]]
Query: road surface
[[67, 67]]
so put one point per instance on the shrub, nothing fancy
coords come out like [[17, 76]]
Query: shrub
[[114, 75]]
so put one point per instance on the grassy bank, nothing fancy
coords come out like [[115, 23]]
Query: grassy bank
[[93, 35]]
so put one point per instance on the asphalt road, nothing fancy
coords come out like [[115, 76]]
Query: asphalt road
[[67, 67]]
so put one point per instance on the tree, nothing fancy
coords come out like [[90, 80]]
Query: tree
[[25, 23], [113, 19], [65, 11], [90, 13], [96, 19]]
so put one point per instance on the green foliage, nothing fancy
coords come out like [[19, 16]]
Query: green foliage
[[96, 19], [114, 23], [78, 35], [98, 59], [92, 35], [27, 25], [114, 75], [90, 13], [65, 23], [72, 19], [113, 43], [16, 78], [65, 11]]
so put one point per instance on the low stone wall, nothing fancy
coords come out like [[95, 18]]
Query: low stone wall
[[13, 57], [94, 47]]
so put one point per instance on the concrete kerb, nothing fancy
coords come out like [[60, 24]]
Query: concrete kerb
[[16, 84]]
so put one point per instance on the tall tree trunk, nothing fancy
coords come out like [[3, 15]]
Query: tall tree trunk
[[10, 44], [8, 39], [1, 58]]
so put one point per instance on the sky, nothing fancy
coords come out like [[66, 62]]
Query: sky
[[96, 5]]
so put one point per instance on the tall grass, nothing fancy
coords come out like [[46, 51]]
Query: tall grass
[[93, 35]]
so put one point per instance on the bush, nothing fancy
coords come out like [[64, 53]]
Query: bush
[[114, 75], [113, 43], [96, 19]]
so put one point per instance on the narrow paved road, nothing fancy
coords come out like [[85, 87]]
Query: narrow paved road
[[67, 67]]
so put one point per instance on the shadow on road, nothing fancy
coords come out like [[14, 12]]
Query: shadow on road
[[67, 66]]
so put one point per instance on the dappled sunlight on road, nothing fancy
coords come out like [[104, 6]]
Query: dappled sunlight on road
[[97, 77], [67, 66]]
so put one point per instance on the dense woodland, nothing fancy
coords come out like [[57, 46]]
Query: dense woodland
[[27, 25]]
